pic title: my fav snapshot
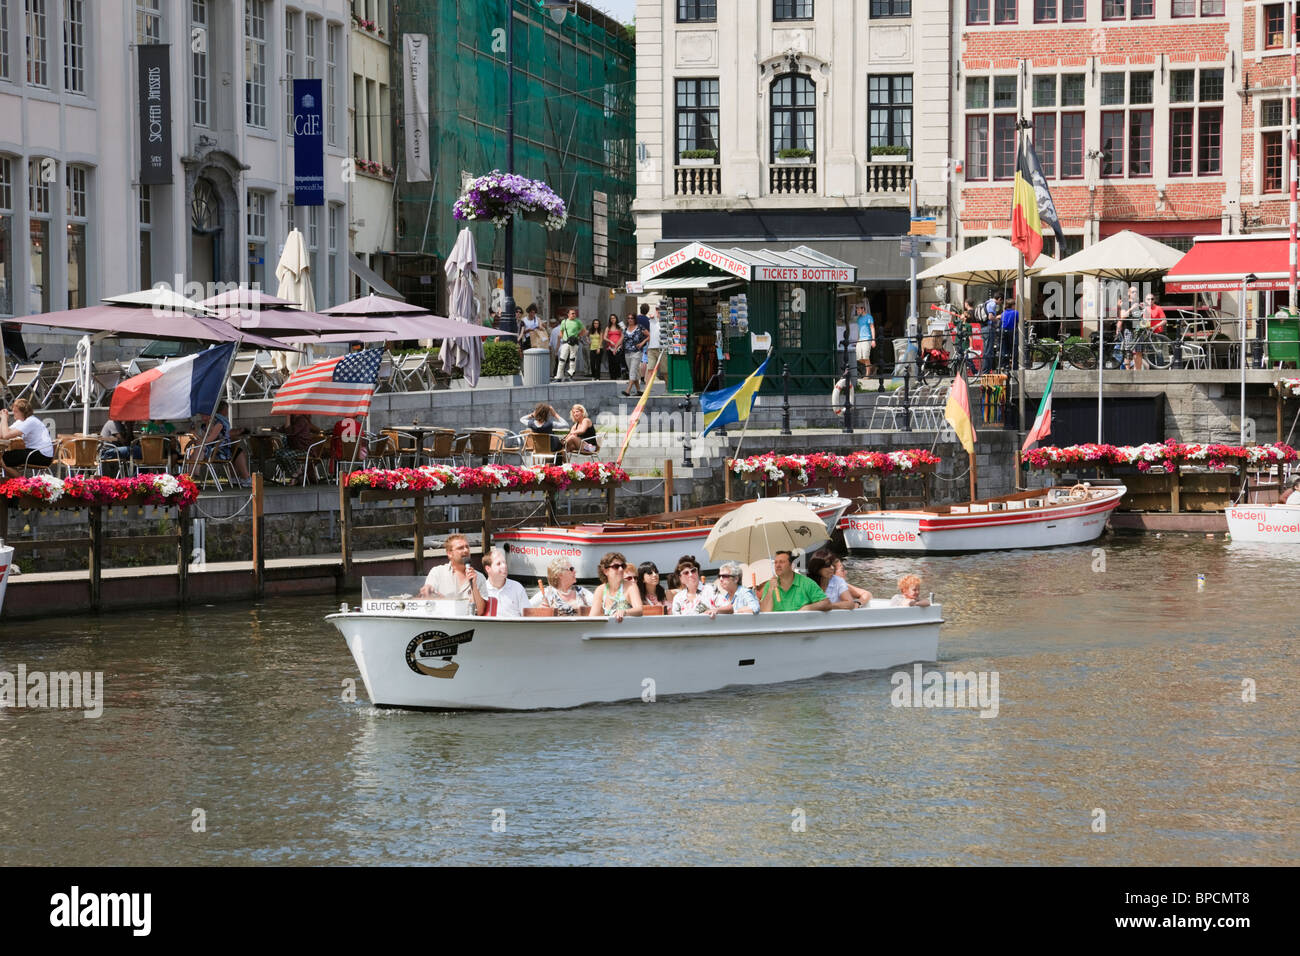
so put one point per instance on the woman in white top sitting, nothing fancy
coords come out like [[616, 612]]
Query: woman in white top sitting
[[1294, 497], [39, 448], [617, 596], [692, 599], [505, 598], [828, 571], [563, 594]]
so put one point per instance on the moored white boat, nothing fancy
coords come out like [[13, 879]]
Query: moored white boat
[[411, 658], [658, 538], [6, 559], [1045, 518], [1268, 524]]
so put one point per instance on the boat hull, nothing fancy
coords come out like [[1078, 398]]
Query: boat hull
[[932, 532], [477, 663], [530, 550], [1268, 524], [6, 559]]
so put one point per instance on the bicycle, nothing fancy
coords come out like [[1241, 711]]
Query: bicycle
[[1084, 357], [1156, 348]]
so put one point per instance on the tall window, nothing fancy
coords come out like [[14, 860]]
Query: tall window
[[991, 139], [256, 229], [199, 56], [148, 21], [7, 278], [313, 248], [39, 173], [290, 50], [792, 9], [794, 113], [1188, 8], [312, 48], [146, 237], [331, 84], [1136, 9], [689, 10], [255, 63], [74, 46], [77, 214], [1274, 26], [1272, 121], [1127, 130], [335, 211], [977, 12], [1071, 11], [38, 68], [600, 233], [4, 39], [889, 102], [891, 8], [697, 115], [360, 147], [1004, 11], [1196, 122]]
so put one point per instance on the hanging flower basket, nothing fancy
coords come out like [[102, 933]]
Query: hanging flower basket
[[498, 196]]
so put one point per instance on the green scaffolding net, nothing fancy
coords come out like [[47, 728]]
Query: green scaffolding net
[[574, 92]]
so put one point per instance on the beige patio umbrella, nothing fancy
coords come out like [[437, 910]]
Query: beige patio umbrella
[[994, 262], [761, 528], [1126, 256], [294, 274]]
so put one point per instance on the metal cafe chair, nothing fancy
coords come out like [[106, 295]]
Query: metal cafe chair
[[80, 454], [202, 457]]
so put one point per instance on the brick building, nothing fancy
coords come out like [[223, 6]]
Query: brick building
[[1136, 113]]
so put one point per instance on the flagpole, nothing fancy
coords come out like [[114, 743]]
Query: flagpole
[[221, 391], [1021, 298]]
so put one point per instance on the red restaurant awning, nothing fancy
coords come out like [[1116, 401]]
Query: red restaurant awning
[[1219, 263]]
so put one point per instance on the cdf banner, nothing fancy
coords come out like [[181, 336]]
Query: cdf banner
[[308, 144], [415, 93], [155, 114]]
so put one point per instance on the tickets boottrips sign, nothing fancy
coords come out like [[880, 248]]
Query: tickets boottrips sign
[[699, 252]]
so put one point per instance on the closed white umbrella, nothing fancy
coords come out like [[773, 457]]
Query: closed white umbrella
[[462, 266], [294, 275]]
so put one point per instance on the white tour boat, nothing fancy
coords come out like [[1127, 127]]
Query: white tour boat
[[659, 538], [6, 559], [1045, 518], [414, 653], [1268, 524]]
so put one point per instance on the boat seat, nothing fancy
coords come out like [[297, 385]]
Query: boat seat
[[539, 612], [1033, 502], [683, 523], [959, 510], [648, 611], [978, 508], [1015, 506]]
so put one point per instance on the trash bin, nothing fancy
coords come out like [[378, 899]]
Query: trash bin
[[537, 367]]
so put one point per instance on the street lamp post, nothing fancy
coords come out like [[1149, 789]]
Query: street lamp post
[[1245, 284], [558, 9]]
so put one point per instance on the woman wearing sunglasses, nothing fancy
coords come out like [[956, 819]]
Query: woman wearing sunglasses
[[616, 596], [692, 599]]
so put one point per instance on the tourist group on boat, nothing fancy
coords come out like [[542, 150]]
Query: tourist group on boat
[[631, 590]]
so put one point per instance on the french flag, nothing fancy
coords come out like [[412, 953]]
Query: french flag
[[179, 388]]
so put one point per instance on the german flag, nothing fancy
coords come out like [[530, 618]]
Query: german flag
[[1032, 205]]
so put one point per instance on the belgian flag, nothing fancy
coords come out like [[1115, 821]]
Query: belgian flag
[[1032, 205]]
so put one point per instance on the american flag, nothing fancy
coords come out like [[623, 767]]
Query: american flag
[[339, 387]]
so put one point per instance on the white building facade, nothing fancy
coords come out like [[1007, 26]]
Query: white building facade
[[77, 224], [772, 123]]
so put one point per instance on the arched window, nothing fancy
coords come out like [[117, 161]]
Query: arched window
[[794, 114]]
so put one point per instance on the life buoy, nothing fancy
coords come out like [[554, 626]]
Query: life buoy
[[837, 397]]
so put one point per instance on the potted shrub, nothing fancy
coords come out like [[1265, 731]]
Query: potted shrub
[[698, 157], [889, 154], [794, 156]]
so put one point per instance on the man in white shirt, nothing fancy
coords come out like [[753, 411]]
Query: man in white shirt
[[456, 579]]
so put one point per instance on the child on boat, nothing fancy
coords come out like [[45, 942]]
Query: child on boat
[[909, 588]]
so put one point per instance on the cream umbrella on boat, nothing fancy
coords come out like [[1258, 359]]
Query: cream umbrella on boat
[[294, 275], [761, 528]]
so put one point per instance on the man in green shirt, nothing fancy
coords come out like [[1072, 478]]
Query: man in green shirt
[[571, 332], [789, 591]]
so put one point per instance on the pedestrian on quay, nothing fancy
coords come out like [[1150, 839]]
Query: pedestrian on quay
[[634, 339], [613, 345], [594, 340], [570, 339]]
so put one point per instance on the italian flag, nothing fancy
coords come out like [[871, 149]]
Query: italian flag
[[1043, 423]]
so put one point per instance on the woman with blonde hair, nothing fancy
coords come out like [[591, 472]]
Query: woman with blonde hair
[[582, 435], [616, 597], [563, 594], [39, 448]]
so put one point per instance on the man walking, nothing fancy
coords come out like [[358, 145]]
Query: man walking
[[570, 341], [634, 338]]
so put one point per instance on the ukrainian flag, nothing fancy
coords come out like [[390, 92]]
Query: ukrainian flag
[[727, 406]]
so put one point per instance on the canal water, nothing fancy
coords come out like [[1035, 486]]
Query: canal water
[[1121, 737]]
